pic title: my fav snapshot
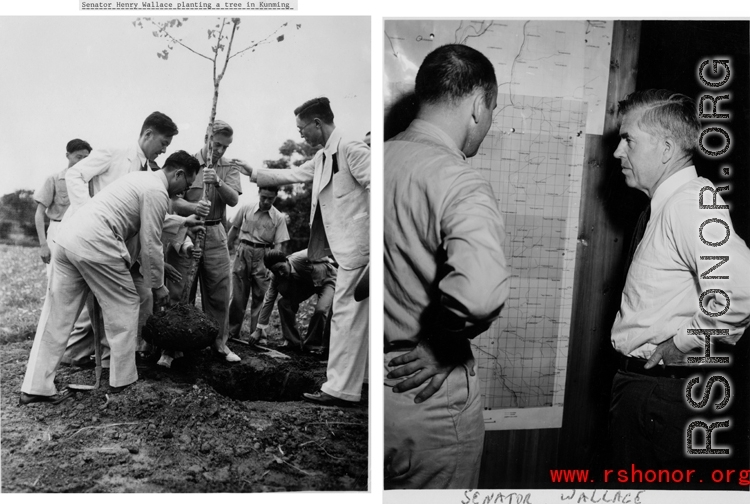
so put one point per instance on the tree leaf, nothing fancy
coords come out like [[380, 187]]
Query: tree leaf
[[279, 38]]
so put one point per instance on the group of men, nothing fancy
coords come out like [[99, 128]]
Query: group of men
[[134, 234], [446, 278]]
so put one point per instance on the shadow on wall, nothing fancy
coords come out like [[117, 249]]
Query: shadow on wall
[[399, 115]]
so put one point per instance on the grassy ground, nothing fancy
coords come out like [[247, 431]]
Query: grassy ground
[[23, 281]]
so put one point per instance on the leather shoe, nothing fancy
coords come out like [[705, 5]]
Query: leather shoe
[[324, 399], [32, 398]]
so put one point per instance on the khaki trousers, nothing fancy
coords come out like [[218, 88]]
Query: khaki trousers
[[435, 444]]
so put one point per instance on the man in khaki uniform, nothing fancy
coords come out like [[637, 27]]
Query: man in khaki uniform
[[223, 188], [52, 201]]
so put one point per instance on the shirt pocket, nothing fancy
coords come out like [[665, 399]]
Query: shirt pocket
[[61, 193]]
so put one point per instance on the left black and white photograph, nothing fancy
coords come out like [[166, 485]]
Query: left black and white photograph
[[184, 233]]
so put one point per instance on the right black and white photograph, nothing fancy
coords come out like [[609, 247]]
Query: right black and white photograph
[[566, 268]]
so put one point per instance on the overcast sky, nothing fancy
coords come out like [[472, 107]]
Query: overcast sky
[[97, 78]]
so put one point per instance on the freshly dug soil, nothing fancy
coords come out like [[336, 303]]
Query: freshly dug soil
[[184, 430], [180, 327]]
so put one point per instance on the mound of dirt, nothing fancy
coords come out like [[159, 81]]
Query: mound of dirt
[[180, 327]]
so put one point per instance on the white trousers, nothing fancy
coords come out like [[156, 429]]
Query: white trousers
[[347, 357], [81, 342], [71, 279]]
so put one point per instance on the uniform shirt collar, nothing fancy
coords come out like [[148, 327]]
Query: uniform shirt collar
[[429, 129], [256, 209], [201, 159]]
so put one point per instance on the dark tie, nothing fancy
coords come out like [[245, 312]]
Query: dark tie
[[334, 164], [145, 166], [640, 229]]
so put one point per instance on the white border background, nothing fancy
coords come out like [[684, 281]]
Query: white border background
[[379, 9]]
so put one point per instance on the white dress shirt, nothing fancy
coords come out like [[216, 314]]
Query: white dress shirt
[[660, 299]]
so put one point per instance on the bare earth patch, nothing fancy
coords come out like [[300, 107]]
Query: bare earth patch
[[202, 426]]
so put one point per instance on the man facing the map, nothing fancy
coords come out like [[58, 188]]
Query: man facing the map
[[445, 274]]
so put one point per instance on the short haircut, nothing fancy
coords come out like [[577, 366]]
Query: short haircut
[[182, 159], [665, 114], [274, 189], [161, 123], [222, 128], [273, 257], [77, 144], [452, 72], [319, 108]]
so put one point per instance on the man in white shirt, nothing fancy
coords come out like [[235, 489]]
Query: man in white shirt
[[91, 255], [102, 167], [260, 228], [670, 295]]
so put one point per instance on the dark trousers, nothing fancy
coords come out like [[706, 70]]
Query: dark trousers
[[648, 421], [319, 328]]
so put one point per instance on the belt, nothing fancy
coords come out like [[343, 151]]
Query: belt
[[212, 222], [256, 245], [395, 346], [635, 365], [54, 220]]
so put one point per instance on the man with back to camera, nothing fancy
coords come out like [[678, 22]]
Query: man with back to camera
[[297, 279], [445, 274], [260, 228], [339, 226], [661, 299], [90, 255], [223, 188], [85, 179]]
